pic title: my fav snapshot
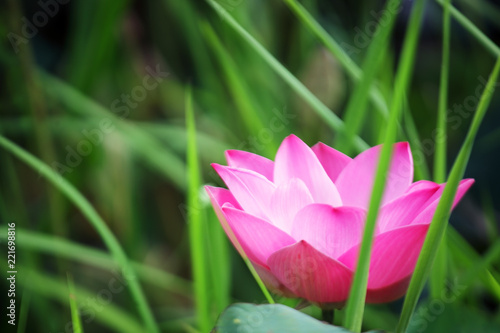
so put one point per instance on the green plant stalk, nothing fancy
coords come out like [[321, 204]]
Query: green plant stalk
[[321, 109], [109, 315], [439, 272], [88, 211], [357, 296], [473, 30], [439, 221], [75, 316], [196, 223], [357, 105], [62, 248]]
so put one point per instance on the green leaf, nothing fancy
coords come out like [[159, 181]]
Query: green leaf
[[244, 317]]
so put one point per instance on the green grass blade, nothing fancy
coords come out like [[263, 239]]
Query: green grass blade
[[488, 258], [473, 30], [75, 315], [84, 61], [219, 264], [419, 161], [63, 248], [90, 213], [439, 221], [236, 85], [469, 257], [352, 69], [111, 316], [438, 273], [485, 8], [196, 223], [321, 109], [357, 105], [155, 154], [357, 296], [440, 152]]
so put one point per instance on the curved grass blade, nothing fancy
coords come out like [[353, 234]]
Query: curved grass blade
[[236, 85], [474, 31], [90, 213], [469, 257], [490, 257], [321, 109], [356, 73], [111, 316], [63, 248], [357, 296], [352, 69], [439, 221], [166, 163]]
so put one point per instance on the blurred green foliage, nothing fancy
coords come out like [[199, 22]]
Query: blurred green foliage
[[96, 90]]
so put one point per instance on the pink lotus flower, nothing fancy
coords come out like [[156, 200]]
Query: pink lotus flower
[[300, 218]]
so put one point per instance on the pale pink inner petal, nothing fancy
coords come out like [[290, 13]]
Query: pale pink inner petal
[[394, 255], [252, 190], [355, 182], [258, 238], [245, 160], [331, 231], [331, 159], [295, 159], [310, 274], [286, 201], [405, 209], [427, 214]]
